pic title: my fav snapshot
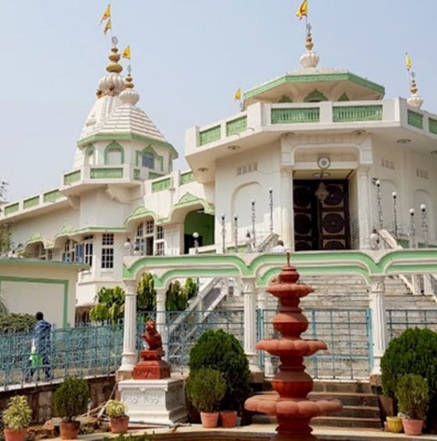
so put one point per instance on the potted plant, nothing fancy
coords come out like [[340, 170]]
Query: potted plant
[[205, 390], [16, 418], [70, 400], [412, 394], [222, 351], [116, 411], [394, 424]]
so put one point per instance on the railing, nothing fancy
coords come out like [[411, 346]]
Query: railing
[[398, 320], [347, 333], [82, 351], [96, 350]]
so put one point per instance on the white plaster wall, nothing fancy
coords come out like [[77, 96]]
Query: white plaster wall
[[26, 288], [235, 192], [98, 210], [47, 225], [411, 174]]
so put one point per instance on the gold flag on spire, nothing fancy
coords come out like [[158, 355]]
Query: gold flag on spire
[[106, 14], [126, 53], [407, 61], [237, 94], [302, 10], [108, 26]]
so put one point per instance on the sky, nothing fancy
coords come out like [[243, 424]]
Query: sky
[[188, 59]]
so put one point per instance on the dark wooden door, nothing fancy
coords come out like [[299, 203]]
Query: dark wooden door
[[321, 223]]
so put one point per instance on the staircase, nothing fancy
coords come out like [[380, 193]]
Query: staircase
[[360, 406]]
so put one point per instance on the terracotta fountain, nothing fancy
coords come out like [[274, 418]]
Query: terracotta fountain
[[292, 384]]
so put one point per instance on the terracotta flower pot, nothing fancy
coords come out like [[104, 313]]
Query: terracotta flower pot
[[394, 424], [209, 419], [228, 418], [15, 435], [69, 429], [119, 424], [412, 427]]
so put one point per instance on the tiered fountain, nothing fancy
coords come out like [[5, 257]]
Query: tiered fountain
[[290, 404]]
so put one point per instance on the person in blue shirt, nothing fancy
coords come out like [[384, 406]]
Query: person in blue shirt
[[41, 346]]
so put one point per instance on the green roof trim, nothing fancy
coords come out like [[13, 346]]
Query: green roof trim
[[127, 137], [315, 78]]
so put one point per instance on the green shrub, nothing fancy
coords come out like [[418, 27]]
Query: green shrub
[[413, 352], [206, 389], [16, 323], [71, 398], [223, 352], [17, 414], [412, 394]]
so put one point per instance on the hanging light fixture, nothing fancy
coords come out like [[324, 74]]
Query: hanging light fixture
[[322, 192]]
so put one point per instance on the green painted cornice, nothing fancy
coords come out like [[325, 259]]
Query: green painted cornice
[[263, 267], [127, 137], [322, 77], [47, 263], [141, 212]]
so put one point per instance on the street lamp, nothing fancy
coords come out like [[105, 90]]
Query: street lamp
[[196, 242], [412, 228], [223, 219], [271, 209], [128, 247], [379, 202], [253, 223], [424, 225], [395, 214], [236, 232]]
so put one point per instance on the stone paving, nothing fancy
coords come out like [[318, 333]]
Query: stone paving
[[259, 432]]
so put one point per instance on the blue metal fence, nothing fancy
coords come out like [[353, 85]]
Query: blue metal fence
[[96, 350], [347, 333]]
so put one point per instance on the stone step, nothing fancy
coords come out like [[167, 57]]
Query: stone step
[[356, 422], [349, 399]]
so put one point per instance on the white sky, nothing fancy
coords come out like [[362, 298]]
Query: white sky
[[188, 59]]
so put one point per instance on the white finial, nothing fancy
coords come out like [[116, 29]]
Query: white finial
[[114, 40]]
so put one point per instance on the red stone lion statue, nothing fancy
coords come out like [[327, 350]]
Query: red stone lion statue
[[151, 336]]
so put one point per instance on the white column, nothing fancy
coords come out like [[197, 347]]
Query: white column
[[161, 318], [269, 369], [129, 356], [379, 321], [250, 324], [364, 207], [287, 217]]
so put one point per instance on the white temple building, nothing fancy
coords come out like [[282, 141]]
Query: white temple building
[[317, 157]]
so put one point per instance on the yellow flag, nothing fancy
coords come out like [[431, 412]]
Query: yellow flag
[[302, 10], [407, 61], [126, 53], [106, 14], [108, 26], [237, 94]]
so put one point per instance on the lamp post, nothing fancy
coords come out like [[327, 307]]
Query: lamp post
[[379, 202], [236, 232], [196, 242], [412, 228], [223, 219], [395, 214], [253, 224], [271, 209], [424, 225]]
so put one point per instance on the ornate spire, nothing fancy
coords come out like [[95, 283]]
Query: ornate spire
[[112, 83], [129, 95], [414, 100], [310, 58], [114, 58]]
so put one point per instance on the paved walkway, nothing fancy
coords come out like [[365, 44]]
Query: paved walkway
[[261, 432]]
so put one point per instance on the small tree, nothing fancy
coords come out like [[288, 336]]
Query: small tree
[[110, 305], [5, 238], [146, 293]]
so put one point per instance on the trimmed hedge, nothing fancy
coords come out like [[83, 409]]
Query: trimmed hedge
[[413, 352], [223, 352]]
